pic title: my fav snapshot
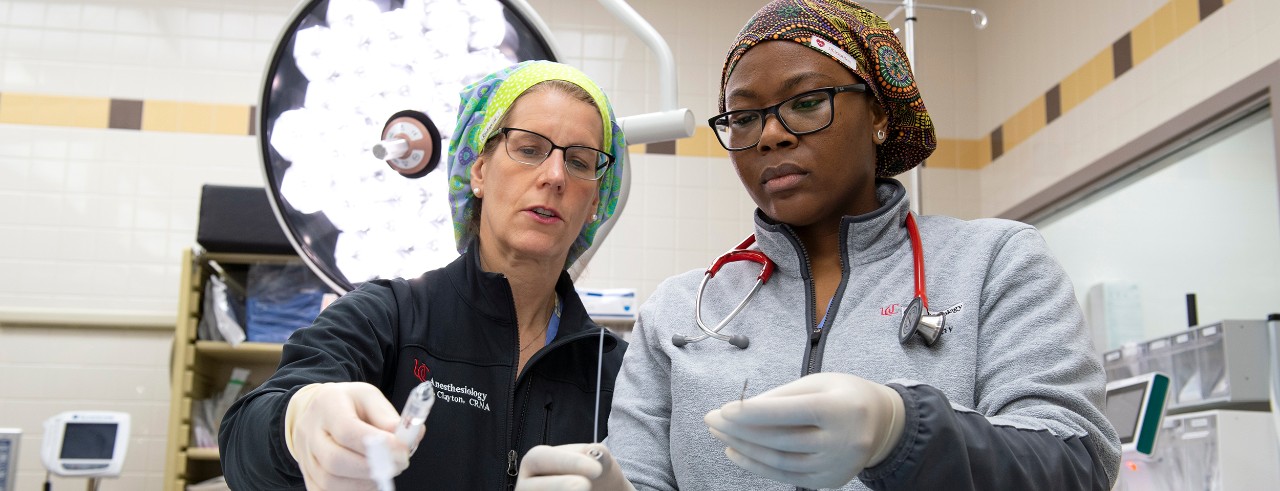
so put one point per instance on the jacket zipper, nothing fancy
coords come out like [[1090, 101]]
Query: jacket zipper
[[546, 424], [512, 456], [814, 334], [813, 353]]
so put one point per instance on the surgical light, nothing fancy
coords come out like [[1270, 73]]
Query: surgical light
[[341, 69]]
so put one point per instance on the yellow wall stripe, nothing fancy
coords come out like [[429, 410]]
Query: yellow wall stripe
[[1019, 127], [45, 110], [190, 117], [703, 143]]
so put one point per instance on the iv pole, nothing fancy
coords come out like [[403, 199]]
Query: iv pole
[[908, 9]]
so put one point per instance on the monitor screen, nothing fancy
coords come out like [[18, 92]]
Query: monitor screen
[[89, 441], [1123, 407]]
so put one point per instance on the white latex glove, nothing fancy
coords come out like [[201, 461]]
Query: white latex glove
[[325, 426], [570, 467], [817, 432]]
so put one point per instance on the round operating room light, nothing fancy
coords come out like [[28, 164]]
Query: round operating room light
[[340, 69]]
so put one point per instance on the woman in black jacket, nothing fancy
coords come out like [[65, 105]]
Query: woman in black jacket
[[500, 331]]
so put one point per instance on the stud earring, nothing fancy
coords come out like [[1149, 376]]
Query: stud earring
[[478, 192], [880, 136], [595, 217]]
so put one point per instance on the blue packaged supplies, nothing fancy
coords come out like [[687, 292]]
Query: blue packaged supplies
[[281, 299]]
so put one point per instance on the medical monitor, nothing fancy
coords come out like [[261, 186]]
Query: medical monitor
[[86, 443], [1135, 407], [10, 438]]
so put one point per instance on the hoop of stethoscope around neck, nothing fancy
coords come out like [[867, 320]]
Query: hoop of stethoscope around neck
[[915, 319]]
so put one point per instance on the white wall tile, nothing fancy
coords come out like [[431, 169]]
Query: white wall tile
[[29, 13], [97, 17], [13, 173], [62, 15], [268, 26], [58, 45], [598, 44], [23, 42]]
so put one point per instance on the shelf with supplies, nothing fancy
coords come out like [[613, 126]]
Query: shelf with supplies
[[201, 368], [1215, 366]]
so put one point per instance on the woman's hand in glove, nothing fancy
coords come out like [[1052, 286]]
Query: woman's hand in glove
[[571, 467], [817, 432], [325, 426]]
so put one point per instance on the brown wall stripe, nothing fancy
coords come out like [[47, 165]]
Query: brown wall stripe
[[997, 142], [1053, 104], [661, 148], [126, 114], [1208, 7], [253, 120], [1122, 55]]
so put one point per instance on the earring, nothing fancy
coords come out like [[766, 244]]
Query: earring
[[595, 217], [880, 136], [478, 192]]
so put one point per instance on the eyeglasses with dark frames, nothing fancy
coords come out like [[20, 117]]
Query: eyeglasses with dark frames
[[808, 112], [532, 149]]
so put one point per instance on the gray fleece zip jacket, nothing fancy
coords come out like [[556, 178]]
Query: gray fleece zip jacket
[[1010, 397]]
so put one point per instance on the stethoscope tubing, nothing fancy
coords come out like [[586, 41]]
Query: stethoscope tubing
[[911, 320], [917, 257], [697, 305]]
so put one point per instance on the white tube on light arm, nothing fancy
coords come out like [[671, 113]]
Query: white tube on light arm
[[657, 127], [394, 148]]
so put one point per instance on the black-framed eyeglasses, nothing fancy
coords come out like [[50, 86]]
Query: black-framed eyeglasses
[[532, 149], [808, 112]]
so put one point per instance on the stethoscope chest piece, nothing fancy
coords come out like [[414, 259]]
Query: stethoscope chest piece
[[910, 319], [917, 319]]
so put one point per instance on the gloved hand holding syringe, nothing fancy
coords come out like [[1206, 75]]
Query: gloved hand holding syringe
[[416, 409]]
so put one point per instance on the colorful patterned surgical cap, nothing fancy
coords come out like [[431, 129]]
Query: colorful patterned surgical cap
[[864, 44]]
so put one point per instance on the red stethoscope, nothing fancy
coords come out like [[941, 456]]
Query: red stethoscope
[[915, 319]]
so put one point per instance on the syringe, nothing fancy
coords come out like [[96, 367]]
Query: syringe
[[414, 415]]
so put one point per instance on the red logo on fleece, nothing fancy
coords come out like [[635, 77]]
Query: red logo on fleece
[[890, 310], [420, 370]]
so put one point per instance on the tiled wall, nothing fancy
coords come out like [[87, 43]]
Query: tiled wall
[[46, 371], [93, 219]]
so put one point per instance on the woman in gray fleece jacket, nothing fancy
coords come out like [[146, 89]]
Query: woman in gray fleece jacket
[[822, 110]]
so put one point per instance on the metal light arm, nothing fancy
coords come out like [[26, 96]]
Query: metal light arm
[[671, 122]]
